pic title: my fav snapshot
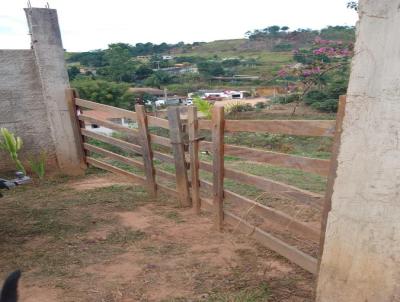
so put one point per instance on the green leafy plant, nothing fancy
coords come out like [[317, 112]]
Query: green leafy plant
[[38, 165], [203, 106], [12, 144], [237, 107]]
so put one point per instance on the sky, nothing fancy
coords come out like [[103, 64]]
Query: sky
[[93, 24]]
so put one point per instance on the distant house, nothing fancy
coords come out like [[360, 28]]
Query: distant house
[[107, 116], [86, 70], [225, 94], [167, 57]]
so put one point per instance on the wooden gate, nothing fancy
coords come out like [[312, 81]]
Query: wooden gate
[[149, 159]]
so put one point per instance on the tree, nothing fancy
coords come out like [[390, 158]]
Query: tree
[[143, 72], [352, 5], [73, 71], [157, 79], [105, 92], [120, 66], [321, 75], [210, 68]]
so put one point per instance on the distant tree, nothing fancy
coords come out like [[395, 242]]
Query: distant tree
[[105, 92], [272, 30], [73, 71], [143, 72], [352, 5], [120, 66], [157, 79], [93, 58], [285, 28], [211, 68]]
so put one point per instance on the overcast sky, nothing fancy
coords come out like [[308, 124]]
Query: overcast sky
[[93, 24]]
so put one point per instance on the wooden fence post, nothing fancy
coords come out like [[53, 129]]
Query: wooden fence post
[[71, 94], [146, 149], [193, 126], [217, 128], [332, 173], [175, 132]]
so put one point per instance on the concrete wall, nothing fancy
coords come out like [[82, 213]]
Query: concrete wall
[[22, 108], [361, 257], [32, 95]]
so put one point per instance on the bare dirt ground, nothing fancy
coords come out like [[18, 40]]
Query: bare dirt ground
[[97, 239]]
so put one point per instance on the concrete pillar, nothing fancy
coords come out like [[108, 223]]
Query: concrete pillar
[[361, 257], [49, 55]]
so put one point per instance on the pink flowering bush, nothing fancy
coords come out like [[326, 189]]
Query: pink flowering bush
[[322, 68]]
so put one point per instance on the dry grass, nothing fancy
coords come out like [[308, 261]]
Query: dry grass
[[74, 246]]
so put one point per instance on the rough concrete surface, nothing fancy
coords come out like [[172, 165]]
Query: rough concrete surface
[[32, 95], [22, 108], [361, 257]]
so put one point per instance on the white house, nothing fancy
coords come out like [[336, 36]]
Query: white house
[[107, 116]]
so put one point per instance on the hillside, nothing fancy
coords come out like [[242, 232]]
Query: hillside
[[243, 64]]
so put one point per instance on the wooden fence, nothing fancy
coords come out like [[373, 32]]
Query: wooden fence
[[189, 191]]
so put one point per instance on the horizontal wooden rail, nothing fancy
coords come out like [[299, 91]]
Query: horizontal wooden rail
[[108, 124], [290, 127], [163, 157], [274, 216], [289, 252], [113, 155], [113, 141], [312, 165], [165, 175], [106, 108], [167, 190], [205, 124], [269, 185], [160, 140], [157, 122], [105, 166]]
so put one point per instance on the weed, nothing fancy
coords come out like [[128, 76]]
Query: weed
[[175, 216], [125, 236], [257, 294]]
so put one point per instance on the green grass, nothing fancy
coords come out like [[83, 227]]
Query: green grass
[[60, 218]]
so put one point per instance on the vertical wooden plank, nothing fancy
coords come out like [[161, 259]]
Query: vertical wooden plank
[[73, 109], [217, 128], [332, 172], [175, 132], [193, 126], [146, 149]]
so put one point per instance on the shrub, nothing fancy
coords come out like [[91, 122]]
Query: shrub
[[314, 96], [260, 105], [286, 99], [330, 105], [238, 107], [203, 106]]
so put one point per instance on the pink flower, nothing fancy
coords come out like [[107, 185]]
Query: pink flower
[[282, 73]]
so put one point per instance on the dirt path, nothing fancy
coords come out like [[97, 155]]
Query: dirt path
[[126, 247]]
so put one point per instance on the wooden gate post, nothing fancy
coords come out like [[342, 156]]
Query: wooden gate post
[[146, 149], [175, 132], [217, 128], [77, 125], [193, 126]]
